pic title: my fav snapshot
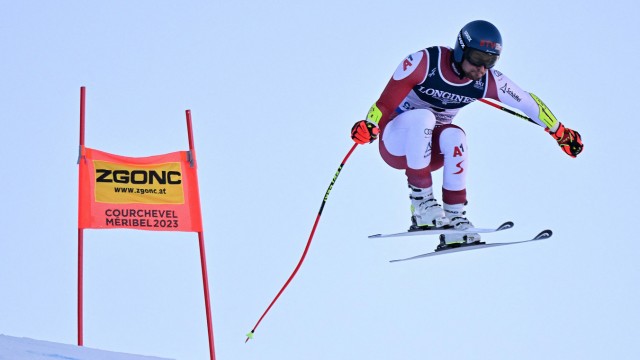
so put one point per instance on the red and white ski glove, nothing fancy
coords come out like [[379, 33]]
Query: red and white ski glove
[[364, 132], [569, 140]]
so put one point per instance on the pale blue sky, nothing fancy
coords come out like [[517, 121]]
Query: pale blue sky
[[274, 88]]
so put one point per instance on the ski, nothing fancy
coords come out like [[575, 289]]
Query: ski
[[546, 234], [438, 231]]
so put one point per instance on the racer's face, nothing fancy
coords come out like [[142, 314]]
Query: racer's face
[[473, 72], [475, 63]]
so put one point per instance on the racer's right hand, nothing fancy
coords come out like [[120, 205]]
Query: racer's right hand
[[364, 132]]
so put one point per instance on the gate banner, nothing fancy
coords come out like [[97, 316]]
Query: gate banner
[[158, 193]]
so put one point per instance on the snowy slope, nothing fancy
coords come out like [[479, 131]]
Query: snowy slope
[[13, 348]]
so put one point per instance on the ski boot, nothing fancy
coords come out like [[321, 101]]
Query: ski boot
[[425, 211], [457, 221]]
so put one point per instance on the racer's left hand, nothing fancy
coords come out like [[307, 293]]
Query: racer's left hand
[[569, 140]]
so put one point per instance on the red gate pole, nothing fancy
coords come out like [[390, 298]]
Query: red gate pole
[[203, 258], [81, 231], [205, 280]]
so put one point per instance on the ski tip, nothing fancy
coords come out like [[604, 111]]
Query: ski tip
[[374, 236], [505, 226], [545, 234]]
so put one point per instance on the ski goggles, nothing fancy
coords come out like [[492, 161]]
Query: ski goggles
[[479, 58]]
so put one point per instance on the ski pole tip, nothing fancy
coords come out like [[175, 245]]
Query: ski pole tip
[[249, 336]]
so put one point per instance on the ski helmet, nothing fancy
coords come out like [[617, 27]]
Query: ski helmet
[[479, 38]]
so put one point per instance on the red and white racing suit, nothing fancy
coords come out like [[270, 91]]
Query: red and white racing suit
[[415, 113]]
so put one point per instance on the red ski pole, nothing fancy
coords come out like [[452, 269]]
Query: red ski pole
[[497, 106], [306, 249]]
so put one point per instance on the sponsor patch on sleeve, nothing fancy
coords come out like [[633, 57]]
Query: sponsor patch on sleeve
[[408, 65]]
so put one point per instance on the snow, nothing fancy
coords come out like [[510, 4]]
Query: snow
[[14, 348]]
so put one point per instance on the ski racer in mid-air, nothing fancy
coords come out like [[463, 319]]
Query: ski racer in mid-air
[[414, 115]]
